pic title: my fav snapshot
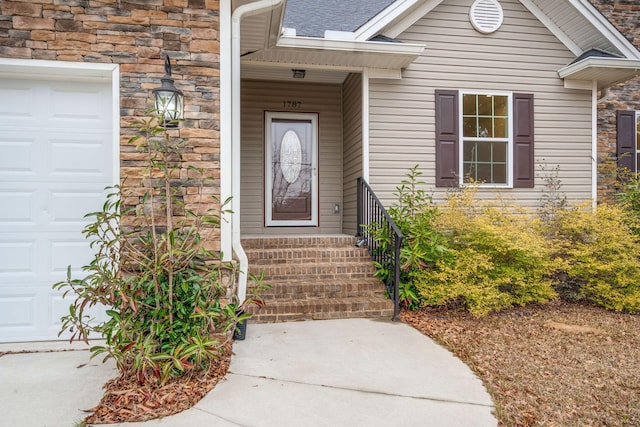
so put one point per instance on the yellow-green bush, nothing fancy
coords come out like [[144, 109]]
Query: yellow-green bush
[[601, 254], [497, 257]]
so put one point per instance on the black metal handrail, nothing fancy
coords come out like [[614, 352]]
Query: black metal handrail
[[384, 248]]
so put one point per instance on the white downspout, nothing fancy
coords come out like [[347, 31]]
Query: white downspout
[[240, 12]]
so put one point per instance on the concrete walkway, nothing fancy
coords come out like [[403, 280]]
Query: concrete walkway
[[357, 372]]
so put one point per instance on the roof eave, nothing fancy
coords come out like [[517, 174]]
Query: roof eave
[[399, 55], [606, 71]]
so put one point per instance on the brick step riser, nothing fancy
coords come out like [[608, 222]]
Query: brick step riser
[[316, 310], [298, 243], [286, 291], [257, 260], [313, 270]]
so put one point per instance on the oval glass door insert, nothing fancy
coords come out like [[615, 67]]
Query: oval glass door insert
[[290, 156]]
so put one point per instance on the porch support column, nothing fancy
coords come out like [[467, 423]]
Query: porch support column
[[365, 124]]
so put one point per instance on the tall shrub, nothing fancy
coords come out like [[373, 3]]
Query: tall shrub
[[166, 295], [496, 257], [601, 254]]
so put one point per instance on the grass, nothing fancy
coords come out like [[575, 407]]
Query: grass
[[554, 365]]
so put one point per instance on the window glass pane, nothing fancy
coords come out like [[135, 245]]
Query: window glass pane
[[501, 105], [500, 152], [500, 128], [469, 152], [468, 171], [483, 174], [499, 174], [485, 105], [468, 105], [484, 152], [469, 127], [485, 127]]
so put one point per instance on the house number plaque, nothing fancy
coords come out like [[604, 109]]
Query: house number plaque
[[288, 103]]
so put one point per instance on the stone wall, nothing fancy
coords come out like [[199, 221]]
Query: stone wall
[[136, 34], [625, 16]]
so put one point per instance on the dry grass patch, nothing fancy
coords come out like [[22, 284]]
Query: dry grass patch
[[553, 365]]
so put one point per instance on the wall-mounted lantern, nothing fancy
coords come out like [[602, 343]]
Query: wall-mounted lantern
[[169, 105]]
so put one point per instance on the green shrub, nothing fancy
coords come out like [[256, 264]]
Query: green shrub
[[414, 214], [165, 293], [496, 258], [601, 255]]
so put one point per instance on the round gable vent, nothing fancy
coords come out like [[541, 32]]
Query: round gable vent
[[486, 15]]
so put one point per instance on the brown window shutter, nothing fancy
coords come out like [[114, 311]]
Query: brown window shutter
[[523, 131], [626, 139], [446, 138]]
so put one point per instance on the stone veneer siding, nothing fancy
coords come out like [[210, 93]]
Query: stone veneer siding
[[136, 34], [625, 16]]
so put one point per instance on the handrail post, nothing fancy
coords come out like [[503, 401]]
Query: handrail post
[[396, 280], [359, 207]]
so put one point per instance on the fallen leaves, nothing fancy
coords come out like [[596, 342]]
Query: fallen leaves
[[553, 365], [126, 401]]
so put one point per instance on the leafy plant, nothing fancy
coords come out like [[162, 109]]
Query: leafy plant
[[601, 255], [170, 301], [496, 257], [413, 213]]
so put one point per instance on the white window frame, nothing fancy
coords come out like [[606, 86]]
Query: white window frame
[[509, 139]]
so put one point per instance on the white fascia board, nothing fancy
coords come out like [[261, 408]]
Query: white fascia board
[[606, 28], [351, 45], [57, 70], [611, 63], [339, 35], [377, 73], [551, 26], [394, 29], [578, 84], [384, 18]]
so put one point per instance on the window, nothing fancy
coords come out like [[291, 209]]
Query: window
[[484, 137], [628, 139]]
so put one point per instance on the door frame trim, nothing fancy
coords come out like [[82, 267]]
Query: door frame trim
[[268, 171]]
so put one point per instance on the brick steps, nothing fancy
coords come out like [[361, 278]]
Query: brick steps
[[318, 277]]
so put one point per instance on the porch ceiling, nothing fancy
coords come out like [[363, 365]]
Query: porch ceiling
[[345, 55]]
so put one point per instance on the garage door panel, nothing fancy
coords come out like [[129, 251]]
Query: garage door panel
[[19, 259], [68, 208], [18, 208], [85, 157], [65, 253], [19, 157], [23, 99], [18, 309], [79, 107]]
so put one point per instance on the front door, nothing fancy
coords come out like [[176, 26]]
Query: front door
[[291, 169]]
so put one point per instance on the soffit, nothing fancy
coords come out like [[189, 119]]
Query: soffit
[[583, 25], [606, 71]]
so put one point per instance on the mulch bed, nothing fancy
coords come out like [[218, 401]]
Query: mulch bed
[[126, 401], [554, 365]]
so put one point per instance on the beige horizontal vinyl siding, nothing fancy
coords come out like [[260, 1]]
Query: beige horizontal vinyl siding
[[522, 56], [352, 149], [323, 99]]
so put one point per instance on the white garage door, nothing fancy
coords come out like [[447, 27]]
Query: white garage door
[[56, 158]]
